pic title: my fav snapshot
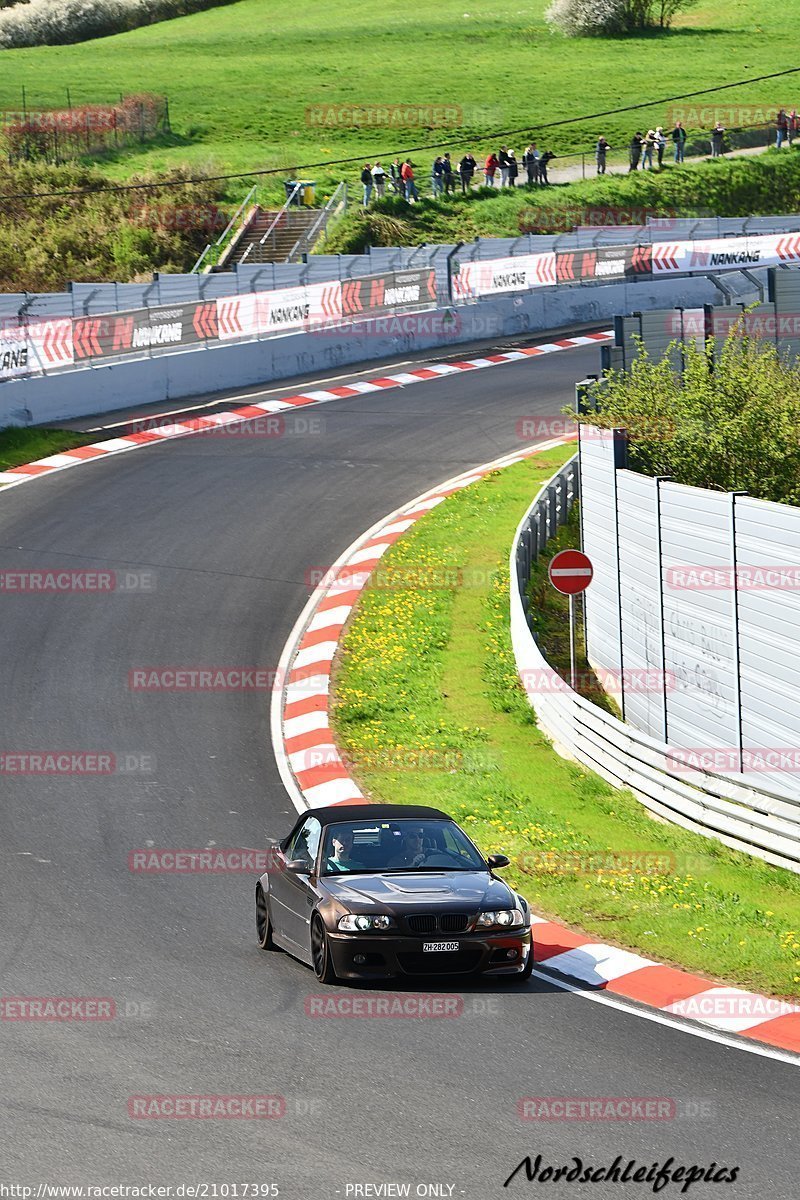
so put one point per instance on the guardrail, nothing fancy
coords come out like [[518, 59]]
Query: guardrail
[[103, 321], [745, 818]]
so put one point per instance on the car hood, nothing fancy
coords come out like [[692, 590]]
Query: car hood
[[471, 890]]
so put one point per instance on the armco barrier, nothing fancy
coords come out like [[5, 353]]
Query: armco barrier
[[210, 367], [715, 805]]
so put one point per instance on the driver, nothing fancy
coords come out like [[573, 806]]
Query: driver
[[341, 859], [413, 853]]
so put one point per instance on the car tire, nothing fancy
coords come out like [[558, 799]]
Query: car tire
[[263, 921], [321, 952]]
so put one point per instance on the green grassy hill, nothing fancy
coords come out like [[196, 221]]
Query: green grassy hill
[[241, 78]]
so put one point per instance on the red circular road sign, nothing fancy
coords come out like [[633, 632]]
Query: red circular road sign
[[571, 572]]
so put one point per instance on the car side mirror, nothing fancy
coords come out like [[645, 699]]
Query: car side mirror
[[298, 865], [496, 861]]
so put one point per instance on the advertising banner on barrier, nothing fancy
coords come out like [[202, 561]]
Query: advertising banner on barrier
[[720, 254], [495, 275], [34, 349], [141, 329], [603, 262]]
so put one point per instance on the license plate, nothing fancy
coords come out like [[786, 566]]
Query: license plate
[[435, 947]]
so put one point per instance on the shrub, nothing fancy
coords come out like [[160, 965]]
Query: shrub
[[729, 420], [581, 18], [60, 22], [47, 241]]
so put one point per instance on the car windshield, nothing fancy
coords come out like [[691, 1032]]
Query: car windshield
[[366, 847]]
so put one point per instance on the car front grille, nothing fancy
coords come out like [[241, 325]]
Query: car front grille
[[445, 922]]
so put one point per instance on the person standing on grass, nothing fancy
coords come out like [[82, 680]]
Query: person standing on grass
[[397, 177], [379, 179], [466, 169], [513, 169], [635, 151], [792, 125], [781, 128], [531, 164], [661, 145], [437, 173], [502, 159], [366, 179], [678, 136], [489, 169], [601, 150], [407, 171], [448, 176], [717, 138], [647, 149], [544, 160]]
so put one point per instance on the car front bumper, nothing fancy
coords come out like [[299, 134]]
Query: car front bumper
[[382, 956]]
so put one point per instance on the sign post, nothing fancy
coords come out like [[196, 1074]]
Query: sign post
[[571, 573]]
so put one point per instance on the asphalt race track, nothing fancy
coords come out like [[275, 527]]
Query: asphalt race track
[[225, 529]]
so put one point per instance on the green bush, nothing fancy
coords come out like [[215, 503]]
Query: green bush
[[50, 240], [728, 421]]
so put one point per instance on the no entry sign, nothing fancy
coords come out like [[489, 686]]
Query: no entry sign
[[571, 572]]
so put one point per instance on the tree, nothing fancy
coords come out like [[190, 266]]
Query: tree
[[729, 421]]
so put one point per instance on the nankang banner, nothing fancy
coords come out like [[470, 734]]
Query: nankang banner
[[142, 329]]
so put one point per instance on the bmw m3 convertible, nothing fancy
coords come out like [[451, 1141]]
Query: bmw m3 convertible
[[377, 890]]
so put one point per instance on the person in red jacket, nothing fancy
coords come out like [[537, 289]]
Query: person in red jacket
[[407, 172], [489, 169]]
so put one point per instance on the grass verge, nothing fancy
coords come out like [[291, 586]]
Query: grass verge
[[428, 709], [18, 446]]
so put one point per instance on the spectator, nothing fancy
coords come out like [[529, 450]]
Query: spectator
[[379, 179], [717, 137], [648, 146], [407, 171], [513, 169], [530, 161], [635, 151], [661, 145], [437, 176], [792, 125], [366, 179], [489, 169], [781, 128], [678, 136], [466, 169], [502, 160], [543, 162], [397, 177], [448, 175], [601, 150]]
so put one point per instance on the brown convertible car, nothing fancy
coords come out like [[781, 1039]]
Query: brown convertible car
[[378, 890]]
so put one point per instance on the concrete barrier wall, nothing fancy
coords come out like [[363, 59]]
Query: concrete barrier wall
[[100, 389]]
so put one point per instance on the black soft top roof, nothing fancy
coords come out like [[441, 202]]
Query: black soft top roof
[[335, 814]]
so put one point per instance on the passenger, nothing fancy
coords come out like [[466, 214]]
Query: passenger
[[341, 859]]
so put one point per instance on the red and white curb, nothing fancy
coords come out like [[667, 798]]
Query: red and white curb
[[315, 776], [249, 412]]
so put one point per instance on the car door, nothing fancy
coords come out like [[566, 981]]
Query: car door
[[290, 891]]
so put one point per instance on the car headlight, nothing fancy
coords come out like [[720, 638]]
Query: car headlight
[[362, 923], [502, 917]]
